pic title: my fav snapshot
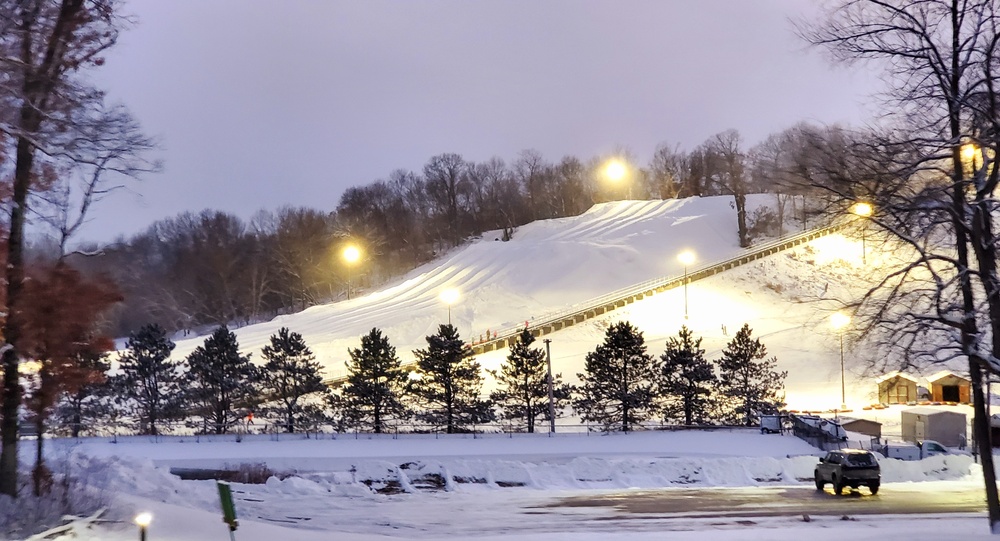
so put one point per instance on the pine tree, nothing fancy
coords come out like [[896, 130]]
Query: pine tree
[[450, 383], [148, 381], [748, 380], [83, 409], [220, 381], [376, 382], [688, 379], [618, 381], [290, 372], [523, 393]]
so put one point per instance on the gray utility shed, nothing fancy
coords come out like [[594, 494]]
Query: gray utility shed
[[945, 427]]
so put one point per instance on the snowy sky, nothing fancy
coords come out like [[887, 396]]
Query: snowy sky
[[261, 104]]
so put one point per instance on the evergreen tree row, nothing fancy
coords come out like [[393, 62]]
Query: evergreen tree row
[[216, 389], [624, 386]]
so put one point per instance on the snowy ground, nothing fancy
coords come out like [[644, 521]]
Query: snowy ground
[[494, 486], [502, 487]]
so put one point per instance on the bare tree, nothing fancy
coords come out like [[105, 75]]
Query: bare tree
[[939, 57], [666, 171], [728, 173], [44, 46], [444, 175], [530, 170]]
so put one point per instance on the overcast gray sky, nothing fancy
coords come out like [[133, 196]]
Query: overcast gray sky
[[259, 103]]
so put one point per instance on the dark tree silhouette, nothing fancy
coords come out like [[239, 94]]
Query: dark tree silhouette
[[376, 383], [523, 393], [619, 381], [290, 372], [449, 383], [688, 379], [748, 381]]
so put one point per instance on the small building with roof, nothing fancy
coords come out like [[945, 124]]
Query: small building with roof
[[896, 388], [942, 426], [863, 426], [947, 386]]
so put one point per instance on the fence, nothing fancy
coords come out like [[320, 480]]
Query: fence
[[181, 432]]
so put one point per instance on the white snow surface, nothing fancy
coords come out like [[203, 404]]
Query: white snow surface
[[487, 482]]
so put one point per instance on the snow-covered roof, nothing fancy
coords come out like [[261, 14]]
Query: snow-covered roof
[[943, 374], [923, 410], [895, 374]]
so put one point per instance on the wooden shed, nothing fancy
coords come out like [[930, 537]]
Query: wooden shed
[[863, 426], [946, 386], [944, 427], [896, 388]]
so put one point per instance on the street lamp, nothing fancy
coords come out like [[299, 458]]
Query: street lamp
[[969, 151], [839, 321], [687, 258], [352, 254], [616, 172], [449, 297], [863, 210], [143, 520]]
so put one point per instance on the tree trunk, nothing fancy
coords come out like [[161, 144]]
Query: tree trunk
[[741, 219], [77, 419], [40, 474], [12, 327], [981, 431], [968, 335]]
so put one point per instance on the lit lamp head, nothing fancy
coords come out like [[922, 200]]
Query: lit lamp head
[[686, 257], [352, 254], [839, 320], [615, 170], [862, 209], [449, 296], [969, 151], [143, 519]]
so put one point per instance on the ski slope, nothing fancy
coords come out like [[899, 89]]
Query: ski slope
[[548, 266], [552, 265]]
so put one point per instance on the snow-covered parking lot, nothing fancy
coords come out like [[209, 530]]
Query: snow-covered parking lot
[[495, 486]]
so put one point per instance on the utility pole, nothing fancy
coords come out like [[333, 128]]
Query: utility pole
[[552, 405]]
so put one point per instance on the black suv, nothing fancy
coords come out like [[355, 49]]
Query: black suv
[[848, 468]]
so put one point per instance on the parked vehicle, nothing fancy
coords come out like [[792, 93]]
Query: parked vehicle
[[904, 450], [848, 468]]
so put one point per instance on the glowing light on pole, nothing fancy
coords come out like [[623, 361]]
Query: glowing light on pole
[[143, 520], [839, 321], [616, 171], [864, 210], [352, 254], [449, 297], [687, 258], [969, 152]]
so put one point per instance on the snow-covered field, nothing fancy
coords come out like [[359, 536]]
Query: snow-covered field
[[495, 486]]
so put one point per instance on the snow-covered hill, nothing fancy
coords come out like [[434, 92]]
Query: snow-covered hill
[[552, 265], [496, 483]]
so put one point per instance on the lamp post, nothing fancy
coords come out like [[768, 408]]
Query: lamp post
[[552, 404], [864, 211], [686, 258], [839, 321], [449, 297], [143, 520], [352, 254]]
